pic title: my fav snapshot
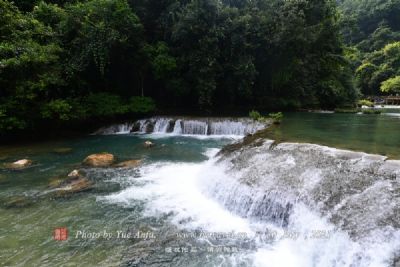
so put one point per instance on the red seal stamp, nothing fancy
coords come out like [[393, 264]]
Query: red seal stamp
[[60, 234]]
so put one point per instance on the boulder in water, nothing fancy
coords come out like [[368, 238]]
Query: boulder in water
[[148, 144], [74, 185], [129, 163], [99, 160], [75, 182], [19, 164], [63, 180]]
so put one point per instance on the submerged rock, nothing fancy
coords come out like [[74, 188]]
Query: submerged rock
[[99, 160], [74, 182], [75, 185], [148, 144], [129, 163], [19, 164], [17, 202], [62, 180]]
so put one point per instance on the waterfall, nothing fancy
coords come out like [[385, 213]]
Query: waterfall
[[299, 205], [187, 126], [353, 196], [161, 125], [123, 128], [195, 127], [177, 127]]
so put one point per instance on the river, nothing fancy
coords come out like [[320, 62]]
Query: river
[[264, 204]]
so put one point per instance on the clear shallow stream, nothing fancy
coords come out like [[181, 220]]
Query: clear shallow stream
[[184, 198]]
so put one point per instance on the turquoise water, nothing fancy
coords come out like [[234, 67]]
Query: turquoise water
[[377, 134], [26, 230], [163, 195]]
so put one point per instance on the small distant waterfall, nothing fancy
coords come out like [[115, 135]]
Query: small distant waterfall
[[161, 125], [123, 128], [195, 127], [187, 126], [177, 127]]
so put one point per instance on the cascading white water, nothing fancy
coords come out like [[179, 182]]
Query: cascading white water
[[232, 127], [177, 127], [327, 207], [189, 126], [161, 125], [195, 127], [123, 128], [356, 193]]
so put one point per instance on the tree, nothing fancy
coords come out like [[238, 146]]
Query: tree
[[196, 36], [29, 67], [102, 39], [391, 85]]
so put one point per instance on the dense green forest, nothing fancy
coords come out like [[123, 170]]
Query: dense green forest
[[371, 32], [67, 62]]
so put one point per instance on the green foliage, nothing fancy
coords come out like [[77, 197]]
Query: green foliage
[[255, 115], [71, 61], [141, 105], [373, 29], [365, 102], [378, 67], [57, 109], [29, 69], [105, 105], [94, 30], [276, 117], [391, 85]]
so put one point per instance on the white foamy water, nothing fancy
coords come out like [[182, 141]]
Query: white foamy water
[[187, 126], [174, 187], [259, 197]]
